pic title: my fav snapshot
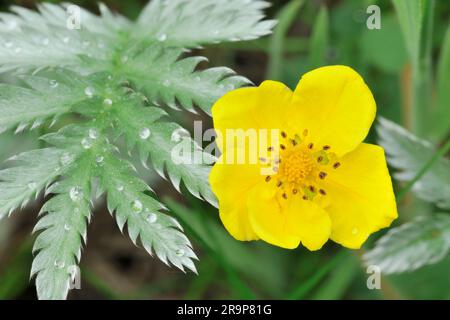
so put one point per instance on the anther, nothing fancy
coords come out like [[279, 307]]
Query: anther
[[305, 198], [326, 147], [312, 189], [294, 191], [322, 175], [279, 184], [311, 145], [305, 132], [294, 143], [262, 159], [270, 149], [322, 192], [284, 195], [319, 159], [282, 146], [283, 134], [268, 178], [336, 165]]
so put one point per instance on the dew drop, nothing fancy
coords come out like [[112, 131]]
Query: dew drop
[[65, 39], [86, 143], [179, 252], [66, 159], [179, 134], [197, 78], [124, 59], [59, 264], [8, 44], [166, 83], [32, 185], [53, 83], [67, 227], [107, 102], [152, 217], [136, 206], [76, 193], [99, 159], [120, 188], [162, 37], [93, 133], [89, 92], [144, 133]]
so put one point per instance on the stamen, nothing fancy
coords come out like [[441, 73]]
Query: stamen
[[336, 165], [305, 132], [279, 184], [326, 147], [294, 191], [312, 189], [319, 159], [322, 192], [294, 143], [262, 159], [282, 146], [305, 198], [283, 134], [311, 145], [284, 195], [270, 149], [277, 161], [322, 175], [268, 178]]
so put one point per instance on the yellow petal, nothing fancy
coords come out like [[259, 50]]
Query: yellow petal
[[268, 220], [362, 199], [262, 107], [336, 107], [310, 222], [231, 184], [287, 222]]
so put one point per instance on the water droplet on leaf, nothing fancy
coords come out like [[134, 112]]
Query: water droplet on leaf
[[76, 193], [144, 133], [152, 217], [136, 206], [89, 92]]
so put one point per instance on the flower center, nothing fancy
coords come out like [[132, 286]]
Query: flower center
[[298, 166]]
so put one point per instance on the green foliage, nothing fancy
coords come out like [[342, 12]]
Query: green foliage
[[426, 240], [408, 154], [415, 244], [318, 50], [116, 77]]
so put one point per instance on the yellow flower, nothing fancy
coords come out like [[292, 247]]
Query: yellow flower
[[319, 181]]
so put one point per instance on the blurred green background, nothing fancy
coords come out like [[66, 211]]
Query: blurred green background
[[309, 34]]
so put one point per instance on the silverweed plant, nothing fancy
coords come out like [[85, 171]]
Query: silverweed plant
[[118, 77]]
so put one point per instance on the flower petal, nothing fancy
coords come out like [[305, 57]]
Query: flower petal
[[336, 107], [309, 221], [231, 184], [286, 222], [268, 220], [362, 199], [262, 107]]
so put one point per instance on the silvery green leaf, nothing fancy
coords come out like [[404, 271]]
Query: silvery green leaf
[[408, 154], [421, 242]]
